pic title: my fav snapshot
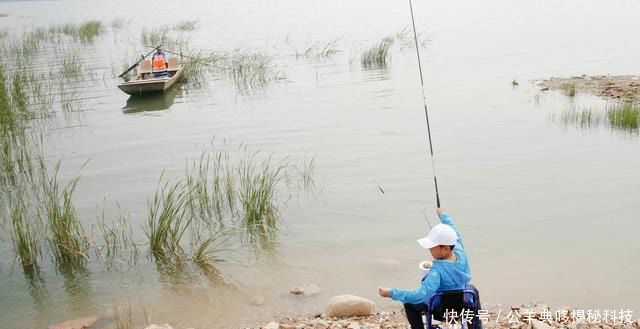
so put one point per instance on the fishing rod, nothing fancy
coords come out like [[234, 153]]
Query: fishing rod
[[424, 101], [138, 62], [189, 57]]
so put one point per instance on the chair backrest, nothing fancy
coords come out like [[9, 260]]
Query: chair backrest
[[443, 303], [173, 63], [144, 66]]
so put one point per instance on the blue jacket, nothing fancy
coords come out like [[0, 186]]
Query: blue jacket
[[443, 275]]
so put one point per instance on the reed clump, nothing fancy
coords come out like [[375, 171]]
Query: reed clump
[[570, 89], [84, 32], [625, 115], [66, 235], [188, 25], [320, 49], [379, 55], [619, 115], [250, 71], [24, 233]]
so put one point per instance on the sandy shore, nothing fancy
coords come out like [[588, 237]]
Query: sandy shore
[[622, 87]]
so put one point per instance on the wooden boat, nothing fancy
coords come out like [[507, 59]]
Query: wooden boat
[[146, 83]]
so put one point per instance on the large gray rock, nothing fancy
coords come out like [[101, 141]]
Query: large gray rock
[[349, 305], [81, 323]]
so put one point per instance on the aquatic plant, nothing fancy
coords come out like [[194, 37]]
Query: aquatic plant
[[250, 71], [198, 65], [210, 248], [406, 38], [320, 49], [188, 25], [257, 196], [164, 36], [84, 32], [570, 89], [118, 23], [378, 55], [167, 219], [71, 68], [618, 115], [24, 234], [625, 115], [116, 236], [67, 237], [123, 319]]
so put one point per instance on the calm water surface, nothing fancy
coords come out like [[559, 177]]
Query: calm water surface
[[548, 211]]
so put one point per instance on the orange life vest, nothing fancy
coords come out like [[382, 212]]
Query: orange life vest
[[158, 63]]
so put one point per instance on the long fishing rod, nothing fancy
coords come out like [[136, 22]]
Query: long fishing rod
[[193, 58], [138, 62], [424, 101]]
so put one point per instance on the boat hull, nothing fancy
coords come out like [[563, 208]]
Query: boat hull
[[149, 86]]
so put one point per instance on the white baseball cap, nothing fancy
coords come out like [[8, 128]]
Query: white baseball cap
[[440, 235]]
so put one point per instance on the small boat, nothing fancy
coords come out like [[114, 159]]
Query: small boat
[[146, 83]]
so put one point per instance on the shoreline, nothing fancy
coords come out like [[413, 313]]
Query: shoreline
[[524, 317], [615, 87]]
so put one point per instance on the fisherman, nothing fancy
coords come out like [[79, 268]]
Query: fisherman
[[449, 270], [159, 63]]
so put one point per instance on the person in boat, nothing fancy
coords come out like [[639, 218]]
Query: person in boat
[[449, 270], [159, 64]]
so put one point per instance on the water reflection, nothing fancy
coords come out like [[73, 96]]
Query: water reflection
[[152, 102]]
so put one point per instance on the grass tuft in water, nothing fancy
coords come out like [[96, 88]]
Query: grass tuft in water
[[624, 115], [66, 236], [378, 56], [189, 25], [320, 49], [24, 234], [619, 115], [258, 185], [85, 32], [71, 68], [570, 89], [167, 220], [250, 71]]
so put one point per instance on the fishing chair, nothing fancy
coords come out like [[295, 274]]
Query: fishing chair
[[444, 304], [174, 63], [144, 68]]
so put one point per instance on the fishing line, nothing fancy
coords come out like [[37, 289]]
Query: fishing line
[[424, 101]]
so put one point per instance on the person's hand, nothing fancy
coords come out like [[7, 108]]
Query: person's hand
[[384, 292], [440, 211]]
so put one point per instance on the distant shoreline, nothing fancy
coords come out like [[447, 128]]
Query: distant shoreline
[[621, 87]]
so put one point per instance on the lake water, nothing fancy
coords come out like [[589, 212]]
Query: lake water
[[548, 211]]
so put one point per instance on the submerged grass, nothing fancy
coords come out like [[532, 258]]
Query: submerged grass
[[379, 55]]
